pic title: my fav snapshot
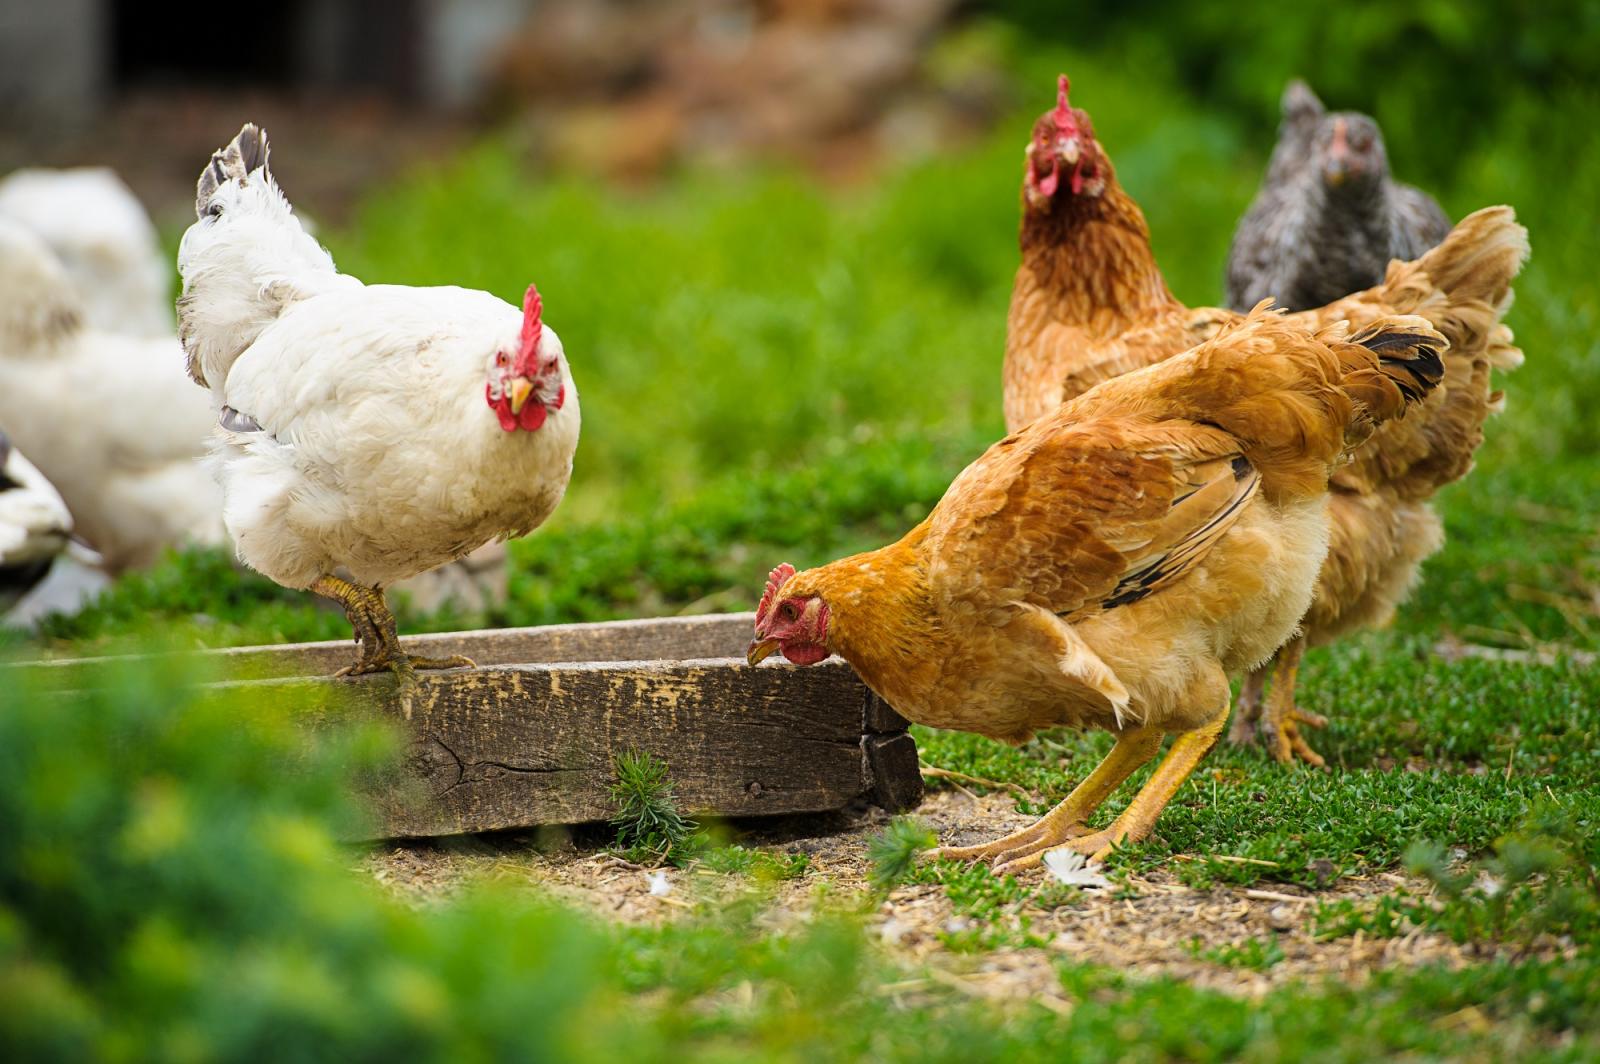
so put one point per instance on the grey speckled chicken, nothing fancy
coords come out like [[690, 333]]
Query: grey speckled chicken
[[1328, 217]]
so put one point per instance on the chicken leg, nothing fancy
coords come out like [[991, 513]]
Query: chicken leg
[[1274, 720], [1247, 710], [1135, 822], [1134, 748], [376, 632], [1279, 726]]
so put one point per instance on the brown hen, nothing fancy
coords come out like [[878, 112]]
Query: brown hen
[[1089, 303], [1110, 564]]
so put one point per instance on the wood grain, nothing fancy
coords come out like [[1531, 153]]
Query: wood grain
[[532, 740]]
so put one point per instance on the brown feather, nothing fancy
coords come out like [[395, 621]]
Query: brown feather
[[1160, 497], [1089, 305]]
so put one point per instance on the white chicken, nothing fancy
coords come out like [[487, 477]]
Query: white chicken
[[34, 525], [105, 240], [108, 419], [380, 430]]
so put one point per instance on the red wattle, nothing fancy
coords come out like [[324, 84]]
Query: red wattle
[[1047, 183], [804, 653], [532, 416]]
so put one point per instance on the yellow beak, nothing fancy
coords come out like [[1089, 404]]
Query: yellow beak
[[760, 650], [521, 388]]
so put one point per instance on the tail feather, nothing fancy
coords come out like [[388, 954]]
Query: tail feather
[[1479, 258], [245, 154], [1294, 401], [245, 260], [1388, 368], [1409, 362], [1463, 287]]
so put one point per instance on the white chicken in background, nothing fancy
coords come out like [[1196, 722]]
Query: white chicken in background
[[108, 419], [34, 525], [101, 234], [374, 430]]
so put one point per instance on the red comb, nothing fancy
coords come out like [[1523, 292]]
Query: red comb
[[532, 327], [1063, 112], [775, 581]]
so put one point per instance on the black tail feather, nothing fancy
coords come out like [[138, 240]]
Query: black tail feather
[[1417, 353]]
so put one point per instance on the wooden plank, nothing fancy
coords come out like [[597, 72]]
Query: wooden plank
[[522, 745], [531, 735], [895, 771], [655, 638]]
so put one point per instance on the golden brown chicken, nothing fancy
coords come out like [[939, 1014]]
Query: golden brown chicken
[[1110, 564], [1089, 303]]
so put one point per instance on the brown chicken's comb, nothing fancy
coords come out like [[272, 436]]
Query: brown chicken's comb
[[775, 581], [1063, 113]]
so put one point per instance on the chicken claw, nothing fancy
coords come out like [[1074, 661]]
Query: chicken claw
[[1278, 726], [1066, 821], [1281, 732], [1136, 821], [377, 632]]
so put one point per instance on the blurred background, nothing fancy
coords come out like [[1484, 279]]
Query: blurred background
[[778, 237]]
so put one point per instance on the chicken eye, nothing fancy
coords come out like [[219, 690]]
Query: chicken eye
[[788, 612], [502, 359]]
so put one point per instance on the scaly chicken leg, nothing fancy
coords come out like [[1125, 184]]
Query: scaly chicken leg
[[1281, 718], [1134, 748], [1247, 710], [376, 632], [1136, 821]]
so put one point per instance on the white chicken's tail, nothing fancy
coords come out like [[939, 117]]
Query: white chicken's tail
[[244, 259], [34, 525]]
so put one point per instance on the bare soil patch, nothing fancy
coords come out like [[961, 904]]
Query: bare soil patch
[[1154, 927]]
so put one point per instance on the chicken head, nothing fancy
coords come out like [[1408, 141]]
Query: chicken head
[[526, 385], [1063, 144], [797, 625]]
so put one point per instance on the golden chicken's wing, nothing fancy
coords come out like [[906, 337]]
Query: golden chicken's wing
[[1084, 519]]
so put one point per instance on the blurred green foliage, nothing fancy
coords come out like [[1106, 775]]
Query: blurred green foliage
[[1440, 76], [774, 370], [171, 890]]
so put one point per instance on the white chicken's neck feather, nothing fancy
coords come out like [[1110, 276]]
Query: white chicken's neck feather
[[241, 270]]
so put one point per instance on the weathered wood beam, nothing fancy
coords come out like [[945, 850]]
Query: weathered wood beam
[[531, 735]]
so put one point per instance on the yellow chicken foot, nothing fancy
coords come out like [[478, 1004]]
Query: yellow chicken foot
[[1280, 719], [1139, 818], [1247, 711], [1134, 748], [377, 633]]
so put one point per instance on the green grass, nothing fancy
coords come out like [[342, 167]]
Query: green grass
[[1257, 954], [649, 825], [770, 371], [214, 917]]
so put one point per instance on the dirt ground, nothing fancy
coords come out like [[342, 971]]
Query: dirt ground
[[1160, 930]]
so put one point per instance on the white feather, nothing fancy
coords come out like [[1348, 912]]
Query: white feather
[[100, 232], [378, 452], [109, 419], [34, 523]]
